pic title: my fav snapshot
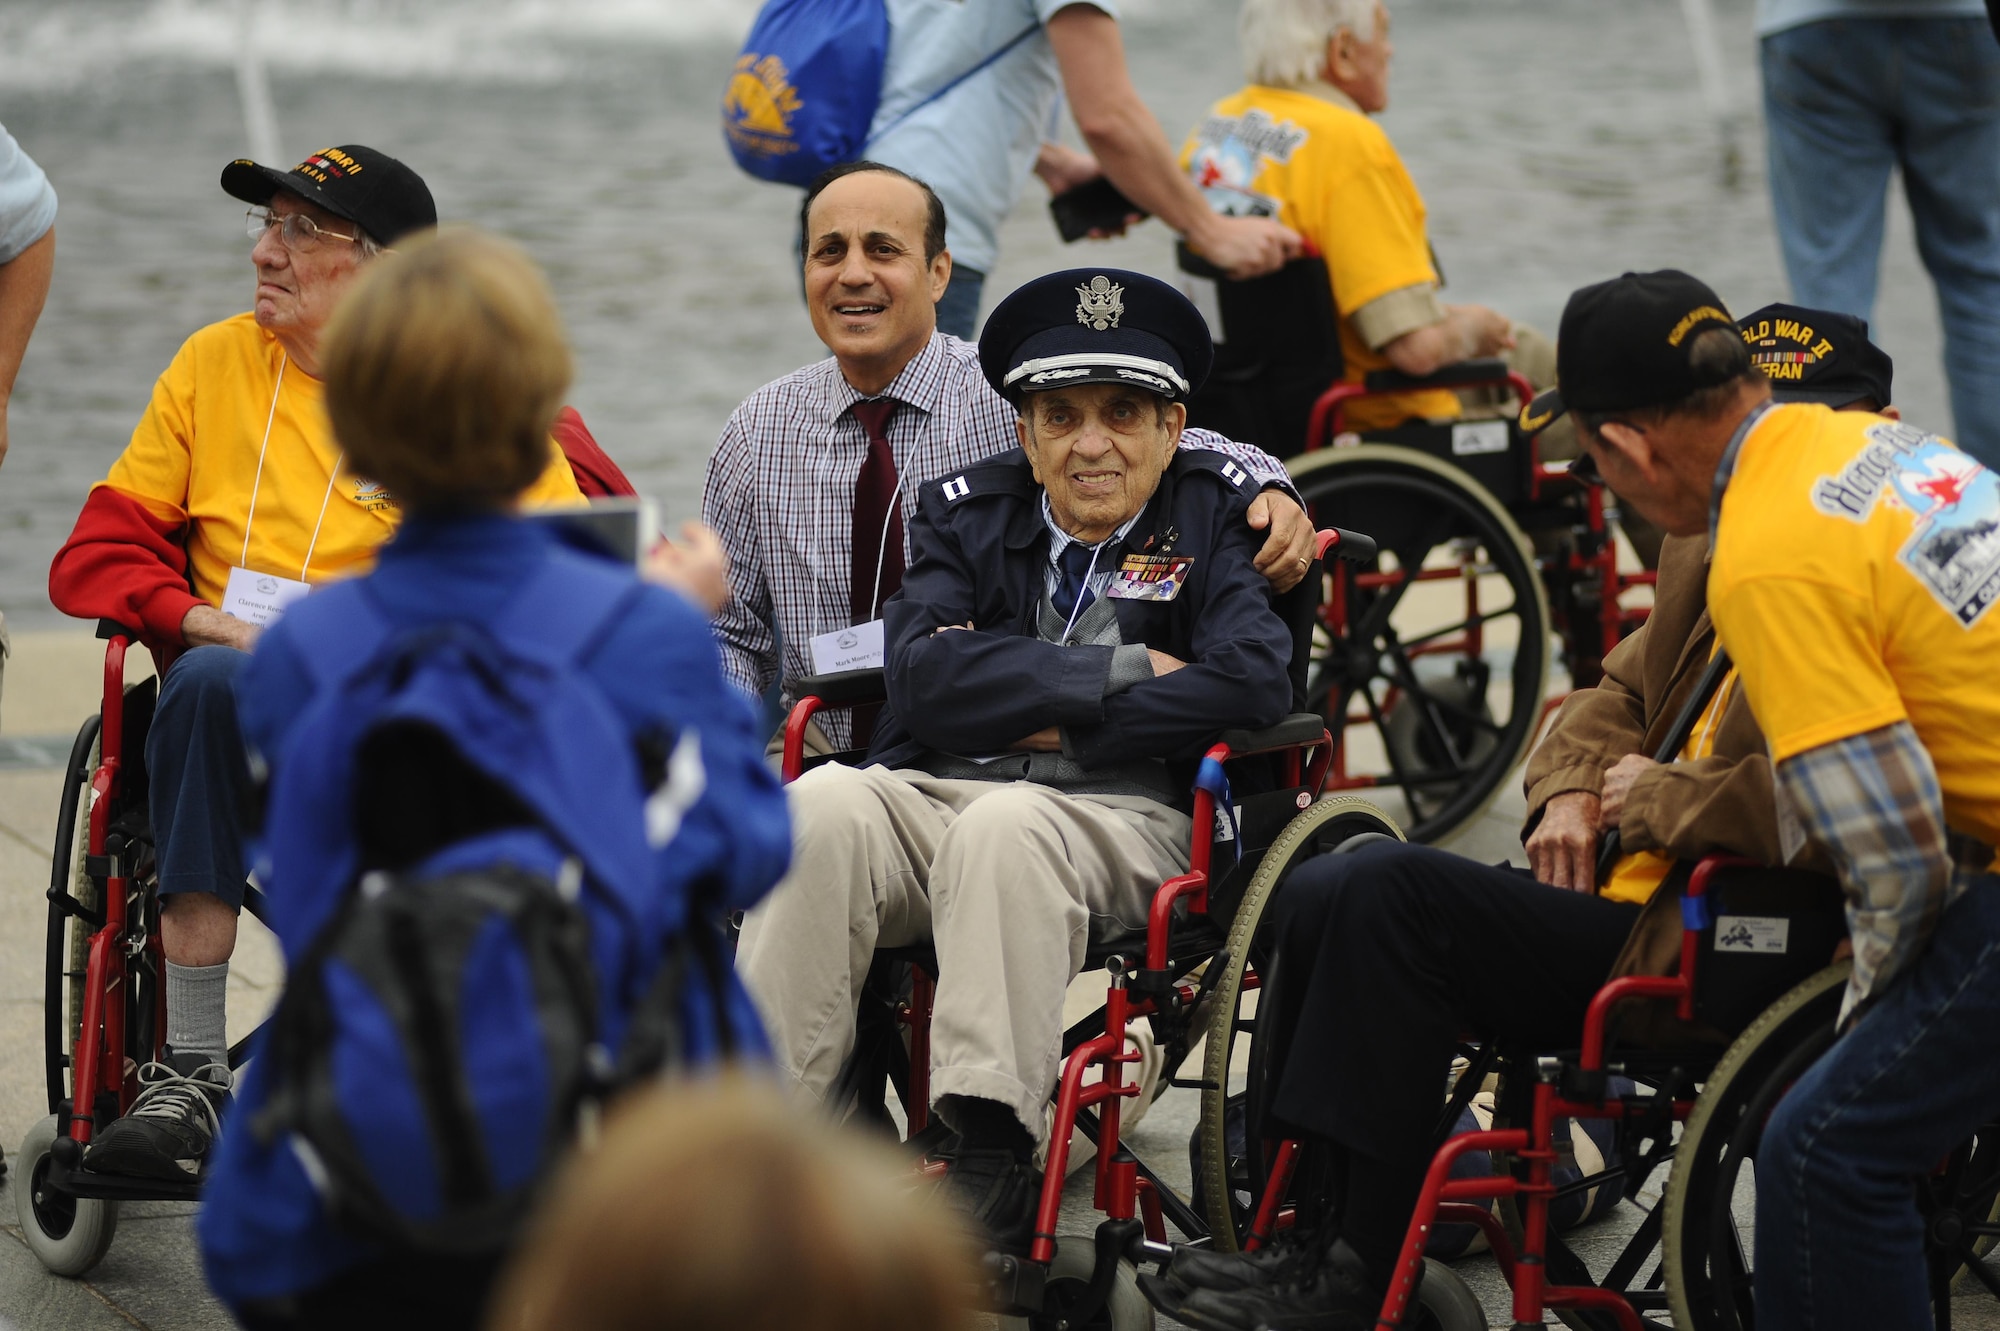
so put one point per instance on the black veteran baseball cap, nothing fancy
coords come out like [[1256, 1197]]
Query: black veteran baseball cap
[[1627, 343], [1096, 326], [1817, 356], [373, 190]]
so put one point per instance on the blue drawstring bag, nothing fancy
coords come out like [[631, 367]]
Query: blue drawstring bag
[[805, 87], [808, 82]]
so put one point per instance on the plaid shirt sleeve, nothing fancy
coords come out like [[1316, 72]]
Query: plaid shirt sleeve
[[1267, 470], [743, 625], [1873, 801]]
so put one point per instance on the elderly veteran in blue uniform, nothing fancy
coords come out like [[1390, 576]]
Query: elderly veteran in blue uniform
[[1082, 615]]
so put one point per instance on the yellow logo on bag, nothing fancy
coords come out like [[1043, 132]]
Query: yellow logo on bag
[[758, 107]]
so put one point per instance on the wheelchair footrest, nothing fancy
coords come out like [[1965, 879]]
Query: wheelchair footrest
[[119, 1187], [1014, 1284]]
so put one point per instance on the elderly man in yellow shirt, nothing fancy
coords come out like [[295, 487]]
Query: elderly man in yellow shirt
[[1297, 144], [231, 500]]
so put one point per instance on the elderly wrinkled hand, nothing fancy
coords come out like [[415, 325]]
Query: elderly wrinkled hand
[[1287, 552], [1562, 851], [695, 566], [1618, 781]]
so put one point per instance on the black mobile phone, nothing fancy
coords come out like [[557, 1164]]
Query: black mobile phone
[[1096, 206]]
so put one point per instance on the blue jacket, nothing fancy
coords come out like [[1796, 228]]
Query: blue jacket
[[981, 556], [262, 1232]]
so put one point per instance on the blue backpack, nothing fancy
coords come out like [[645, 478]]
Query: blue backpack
[[461, 834], [807, 84]]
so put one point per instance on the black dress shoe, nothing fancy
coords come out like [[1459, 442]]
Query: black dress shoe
[[996, 1191], [1333, 1293], [1204, 1268]]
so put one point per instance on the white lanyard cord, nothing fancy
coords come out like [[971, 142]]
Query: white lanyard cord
[[250, 518], [881, 553], [321, 522], [1088, 574]]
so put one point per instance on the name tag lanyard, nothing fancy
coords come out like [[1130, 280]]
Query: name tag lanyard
[[890, 510], [256, 485], [1088, 574]]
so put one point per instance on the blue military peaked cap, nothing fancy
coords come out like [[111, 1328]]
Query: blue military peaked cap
[[1096, 326]]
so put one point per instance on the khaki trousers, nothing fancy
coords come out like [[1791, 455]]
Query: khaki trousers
[[1008, 879]]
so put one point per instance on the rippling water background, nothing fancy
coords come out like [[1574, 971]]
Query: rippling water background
[[1556, 141]]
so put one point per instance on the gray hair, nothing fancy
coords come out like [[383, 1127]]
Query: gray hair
[[1284, 41]]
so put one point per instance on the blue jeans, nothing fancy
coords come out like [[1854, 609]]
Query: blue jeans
[[958, 309], [1839, 1240], [200, 779], [1844, 101]]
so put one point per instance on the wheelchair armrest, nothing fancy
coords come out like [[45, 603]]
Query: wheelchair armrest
[[108, 629], [1490, 370], [1295, 731], [844, 688], [1352, 546]]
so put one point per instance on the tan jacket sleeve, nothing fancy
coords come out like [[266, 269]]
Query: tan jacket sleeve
[[1705, 805], [1593, 729]]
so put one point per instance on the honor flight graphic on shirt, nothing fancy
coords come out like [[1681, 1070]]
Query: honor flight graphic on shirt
[[1879, 545], [1954, 545]]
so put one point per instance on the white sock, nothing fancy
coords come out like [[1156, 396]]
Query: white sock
[[197, 1010]]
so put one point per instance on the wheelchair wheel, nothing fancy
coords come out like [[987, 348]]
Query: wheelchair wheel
[[1706, 1241], [69, 1235], [1445, 1302], [1430, 666], [69, 935], [1233, 1175], [1125, 1309]]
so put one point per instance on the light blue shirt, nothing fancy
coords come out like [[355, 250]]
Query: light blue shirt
[[27, 200], [1777, 15], [976, 145]]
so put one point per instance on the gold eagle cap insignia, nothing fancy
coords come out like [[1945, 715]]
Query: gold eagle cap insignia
[[1101, 304]]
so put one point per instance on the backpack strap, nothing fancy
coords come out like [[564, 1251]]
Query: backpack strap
[[339, 631], [565, 609], [936, 94]]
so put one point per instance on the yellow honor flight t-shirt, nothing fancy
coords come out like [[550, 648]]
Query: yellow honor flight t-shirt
[[267, 466], [1856, 566], [1331, 174]]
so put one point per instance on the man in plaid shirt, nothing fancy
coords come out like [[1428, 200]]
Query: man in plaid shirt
[[790, 481], [1855, 565]]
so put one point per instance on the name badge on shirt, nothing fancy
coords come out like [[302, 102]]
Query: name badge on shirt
[[858, 648], [259, 598], [1150, 578]]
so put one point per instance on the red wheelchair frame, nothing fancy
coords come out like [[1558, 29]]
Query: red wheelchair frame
[[1595, 559], [1134, 1203], [1562, 1089], [124, 957], [98, 1065]]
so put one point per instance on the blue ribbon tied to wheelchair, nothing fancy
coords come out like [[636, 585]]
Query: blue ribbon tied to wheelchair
[[1211, 778]]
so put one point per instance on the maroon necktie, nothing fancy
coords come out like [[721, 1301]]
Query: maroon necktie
[[878, 517]]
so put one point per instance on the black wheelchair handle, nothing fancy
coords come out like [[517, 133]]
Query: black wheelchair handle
[[1488, 370], [107, 629], [844, 688], [1353, 546]]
